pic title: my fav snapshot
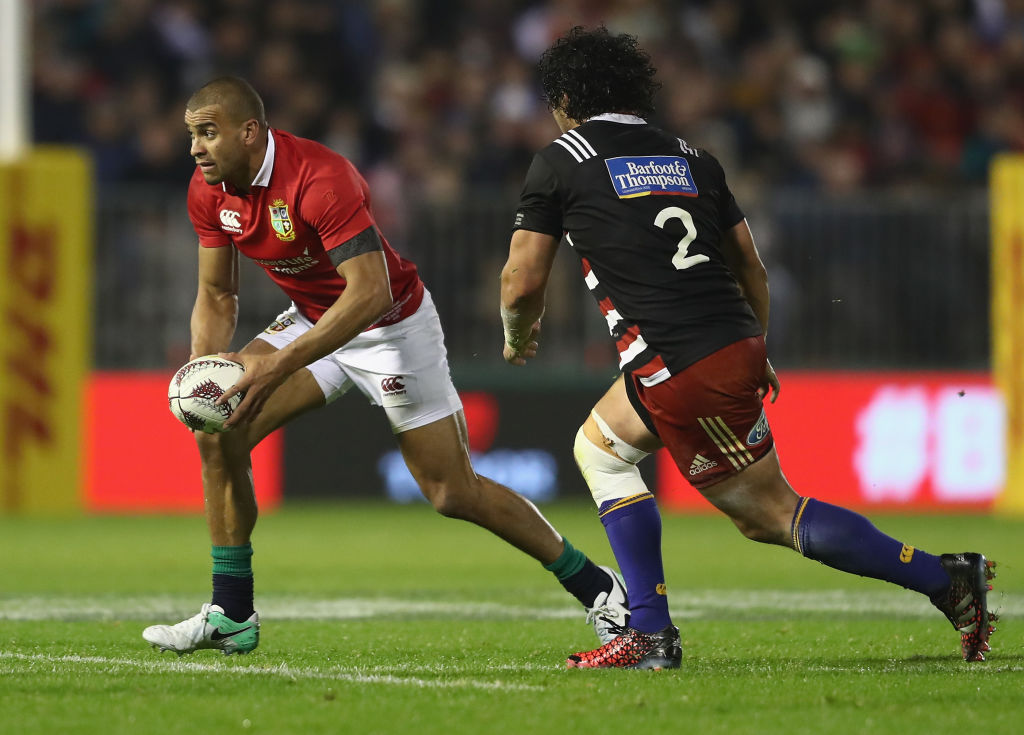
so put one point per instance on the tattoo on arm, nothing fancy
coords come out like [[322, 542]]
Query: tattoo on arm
[[365, 242]]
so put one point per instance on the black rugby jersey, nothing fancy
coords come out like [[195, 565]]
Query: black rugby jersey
[[645, 213]]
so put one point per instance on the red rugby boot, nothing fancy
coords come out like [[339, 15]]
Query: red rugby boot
[[633, 650], [965, 604]]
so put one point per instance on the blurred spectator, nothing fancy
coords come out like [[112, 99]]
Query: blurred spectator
[[837, 95], [437, 102]]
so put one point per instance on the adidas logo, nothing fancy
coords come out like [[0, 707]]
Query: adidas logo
[[701, 463]]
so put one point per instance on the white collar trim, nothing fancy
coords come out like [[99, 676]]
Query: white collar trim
[[618, 117], [263, 175]]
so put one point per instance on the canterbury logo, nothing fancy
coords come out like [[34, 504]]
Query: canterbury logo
[[661, 589], [392, 385], [726, 441], [229, 218], [906, 554], [701, 463]]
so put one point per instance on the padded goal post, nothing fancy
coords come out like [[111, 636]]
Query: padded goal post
[[46, 235], [1007, 316]]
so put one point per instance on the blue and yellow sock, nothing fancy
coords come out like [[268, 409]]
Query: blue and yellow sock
[[633, 526], [848, 541], [233, 580]]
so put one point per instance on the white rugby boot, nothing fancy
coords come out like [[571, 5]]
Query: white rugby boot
[[209, 628], [609, 614]]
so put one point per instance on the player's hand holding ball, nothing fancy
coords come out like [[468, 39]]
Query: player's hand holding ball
[[193, 392]]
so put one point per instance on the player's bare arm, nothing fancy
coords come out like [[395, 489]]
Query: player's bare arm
[[366, 297], [523, 282], [215, 313], [741, 256]]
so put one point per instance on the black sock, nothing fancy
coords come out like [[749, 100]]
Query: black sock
[[232, 580], [234, 594], [586, 584]]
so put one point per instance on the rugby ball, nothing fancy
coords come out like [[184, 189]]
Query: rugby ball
[[195, 388]]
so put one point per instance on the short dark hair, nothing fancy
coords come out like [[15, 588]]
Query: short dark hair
[[598, 72], [238, 98]]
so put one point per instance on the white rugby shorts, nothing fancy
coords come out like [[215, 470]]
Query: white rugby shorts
[[402, 367]]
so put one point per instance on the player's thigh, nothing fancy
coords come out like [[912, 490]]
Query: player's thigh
[[622, 417], [428, 422], [403, 368], [299, 393], [757, 498], [437, 453], [710, 416]]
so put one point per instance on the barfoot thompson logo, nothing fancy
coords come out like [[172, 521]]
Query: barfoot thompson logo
[[701, 463], [281, 222], [392, 386], [637, 177], [229, 220]]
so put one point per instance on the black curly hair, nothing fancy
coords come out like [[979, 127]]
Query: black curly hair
[[597, 72]]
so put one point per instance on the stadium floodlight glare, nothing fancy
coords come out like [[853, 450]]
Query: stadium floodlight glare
[[14, 79]]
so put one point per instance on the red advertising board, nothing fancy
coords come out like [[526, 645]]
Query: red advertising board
[[150, 464], [921, 441], [889, 441]]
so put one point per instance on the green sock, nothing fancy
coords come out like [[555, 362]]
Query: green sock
[[233, 560], [569, 563]]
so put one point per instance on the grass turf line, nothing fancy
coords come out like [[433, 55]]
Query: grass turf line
[[772, 643]]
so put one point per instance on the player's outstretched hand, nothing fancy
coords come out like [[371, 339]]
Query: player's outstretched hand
[[527, 352], [261, 378], [769, 383]]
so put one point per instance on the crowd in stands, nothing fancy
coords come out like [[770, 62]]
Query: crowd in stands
[[437, 102], [440, 97]]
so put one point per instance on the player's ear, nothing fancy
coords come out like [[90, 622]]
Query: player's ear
[[250, 131]]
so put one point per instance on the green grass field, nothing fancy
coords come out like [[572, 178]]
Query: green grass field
[[385, 619]]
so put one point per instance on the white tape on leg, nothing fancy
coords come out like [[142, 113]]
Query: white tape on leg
[[627, 451], [609, 476]]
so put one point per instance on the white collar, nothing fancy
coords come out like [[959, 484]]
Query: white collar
[[619, 117], [263, 175]]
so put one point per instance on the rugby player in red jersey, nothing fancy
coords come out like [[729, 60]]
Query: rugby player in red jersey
[[668, 255], [359, 317]]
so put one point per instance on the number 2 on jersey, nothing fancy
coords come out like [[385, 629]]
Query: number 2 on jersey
[[681, 260]]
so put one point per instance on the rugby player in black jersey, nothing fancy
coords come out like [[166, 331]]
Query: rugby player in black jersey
[[668, 255]]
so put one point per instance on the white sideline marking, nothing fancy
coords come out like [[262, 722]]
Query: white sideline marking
[[353, 675], [902, 666], [686, 604]]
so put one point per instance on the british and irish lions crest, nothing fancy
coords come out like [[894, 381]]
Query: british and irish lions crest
[[281, 222]]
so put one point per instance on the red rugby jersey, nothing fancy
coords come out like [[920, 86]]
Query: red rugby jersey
[[305, 200]]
